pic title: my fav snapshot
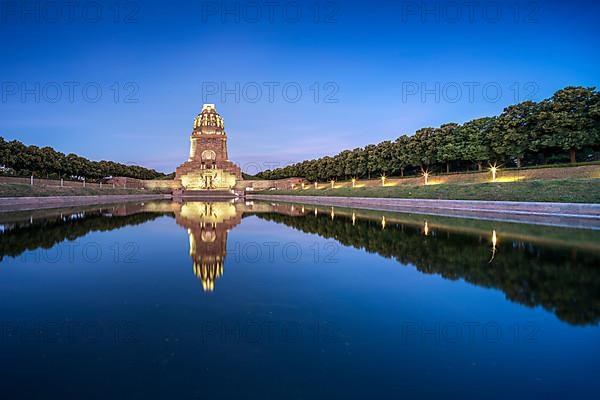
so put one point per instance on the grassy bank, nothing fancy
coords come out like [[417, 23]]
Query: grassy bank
[[18, 190], [565, 191]]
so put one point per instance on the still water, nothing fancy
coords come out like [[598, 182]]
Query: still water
[[261, 300]]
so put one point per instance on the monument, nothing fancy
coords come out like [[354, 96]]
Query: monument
[[208, 169]]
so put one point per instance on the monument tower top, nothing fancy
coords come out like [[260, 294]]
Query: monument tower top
[[209, 121]]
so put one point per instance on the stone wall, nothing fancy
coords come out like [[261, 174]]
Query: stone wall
[[36, 203], [162, 184], [280, 184], [241, 185], [50, 182], [124, 182]]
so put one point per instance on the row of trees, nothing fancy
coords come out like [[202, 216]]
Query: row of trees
[[529, 133], [47, 162]]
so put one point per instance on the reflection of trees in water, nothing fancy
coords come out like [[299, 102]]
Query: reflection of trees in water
[[46, 233], [566, 283]]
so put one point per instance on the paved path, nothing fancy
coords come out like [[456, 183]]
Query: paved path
[[559, 214], [35, 203]]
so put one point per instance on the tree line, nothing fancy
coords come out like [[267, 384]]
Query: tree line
[[45, 162], [563, 128]]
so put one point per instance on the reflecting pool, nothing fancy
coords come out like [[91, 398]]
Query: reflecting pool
[[264, 300]]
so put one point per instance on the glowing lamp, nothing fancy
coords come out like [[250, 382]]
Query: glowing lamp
[[426, 176], [494, 171]]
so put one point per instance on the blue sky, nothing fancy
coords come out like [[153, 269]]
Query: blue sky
[[380, 69]]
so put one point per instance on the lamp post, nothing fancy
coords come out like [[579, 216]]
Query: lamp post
[[426, 176], [383, 180], [353, 183], [332, 184], [494, 171]]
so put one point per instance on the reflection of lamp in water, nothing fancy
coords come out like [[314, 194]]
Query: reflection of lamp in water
[[494, 243], [316, 212], [302, 209], [383, 222], [332, 214], [353, 218], [426, 229]]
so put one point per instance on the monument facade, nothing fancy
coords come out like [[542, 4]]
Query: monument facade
[[208, 166]]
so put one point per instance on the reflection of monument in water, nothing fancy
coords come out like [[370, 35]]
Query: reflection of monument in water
[[207, 225]]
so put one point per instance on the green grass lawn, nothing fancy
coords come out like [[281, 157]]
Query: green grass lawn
[[21, 190], [566, 191]]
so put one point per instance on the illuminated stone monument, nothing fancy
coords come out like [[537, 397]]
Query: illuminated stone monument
[[208, 167]]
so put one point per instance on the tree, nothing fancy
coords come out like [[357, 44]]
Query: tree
[[422, 148], [447, 145], [401, 157], [568, 120], [474, 139], [516, 130]]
